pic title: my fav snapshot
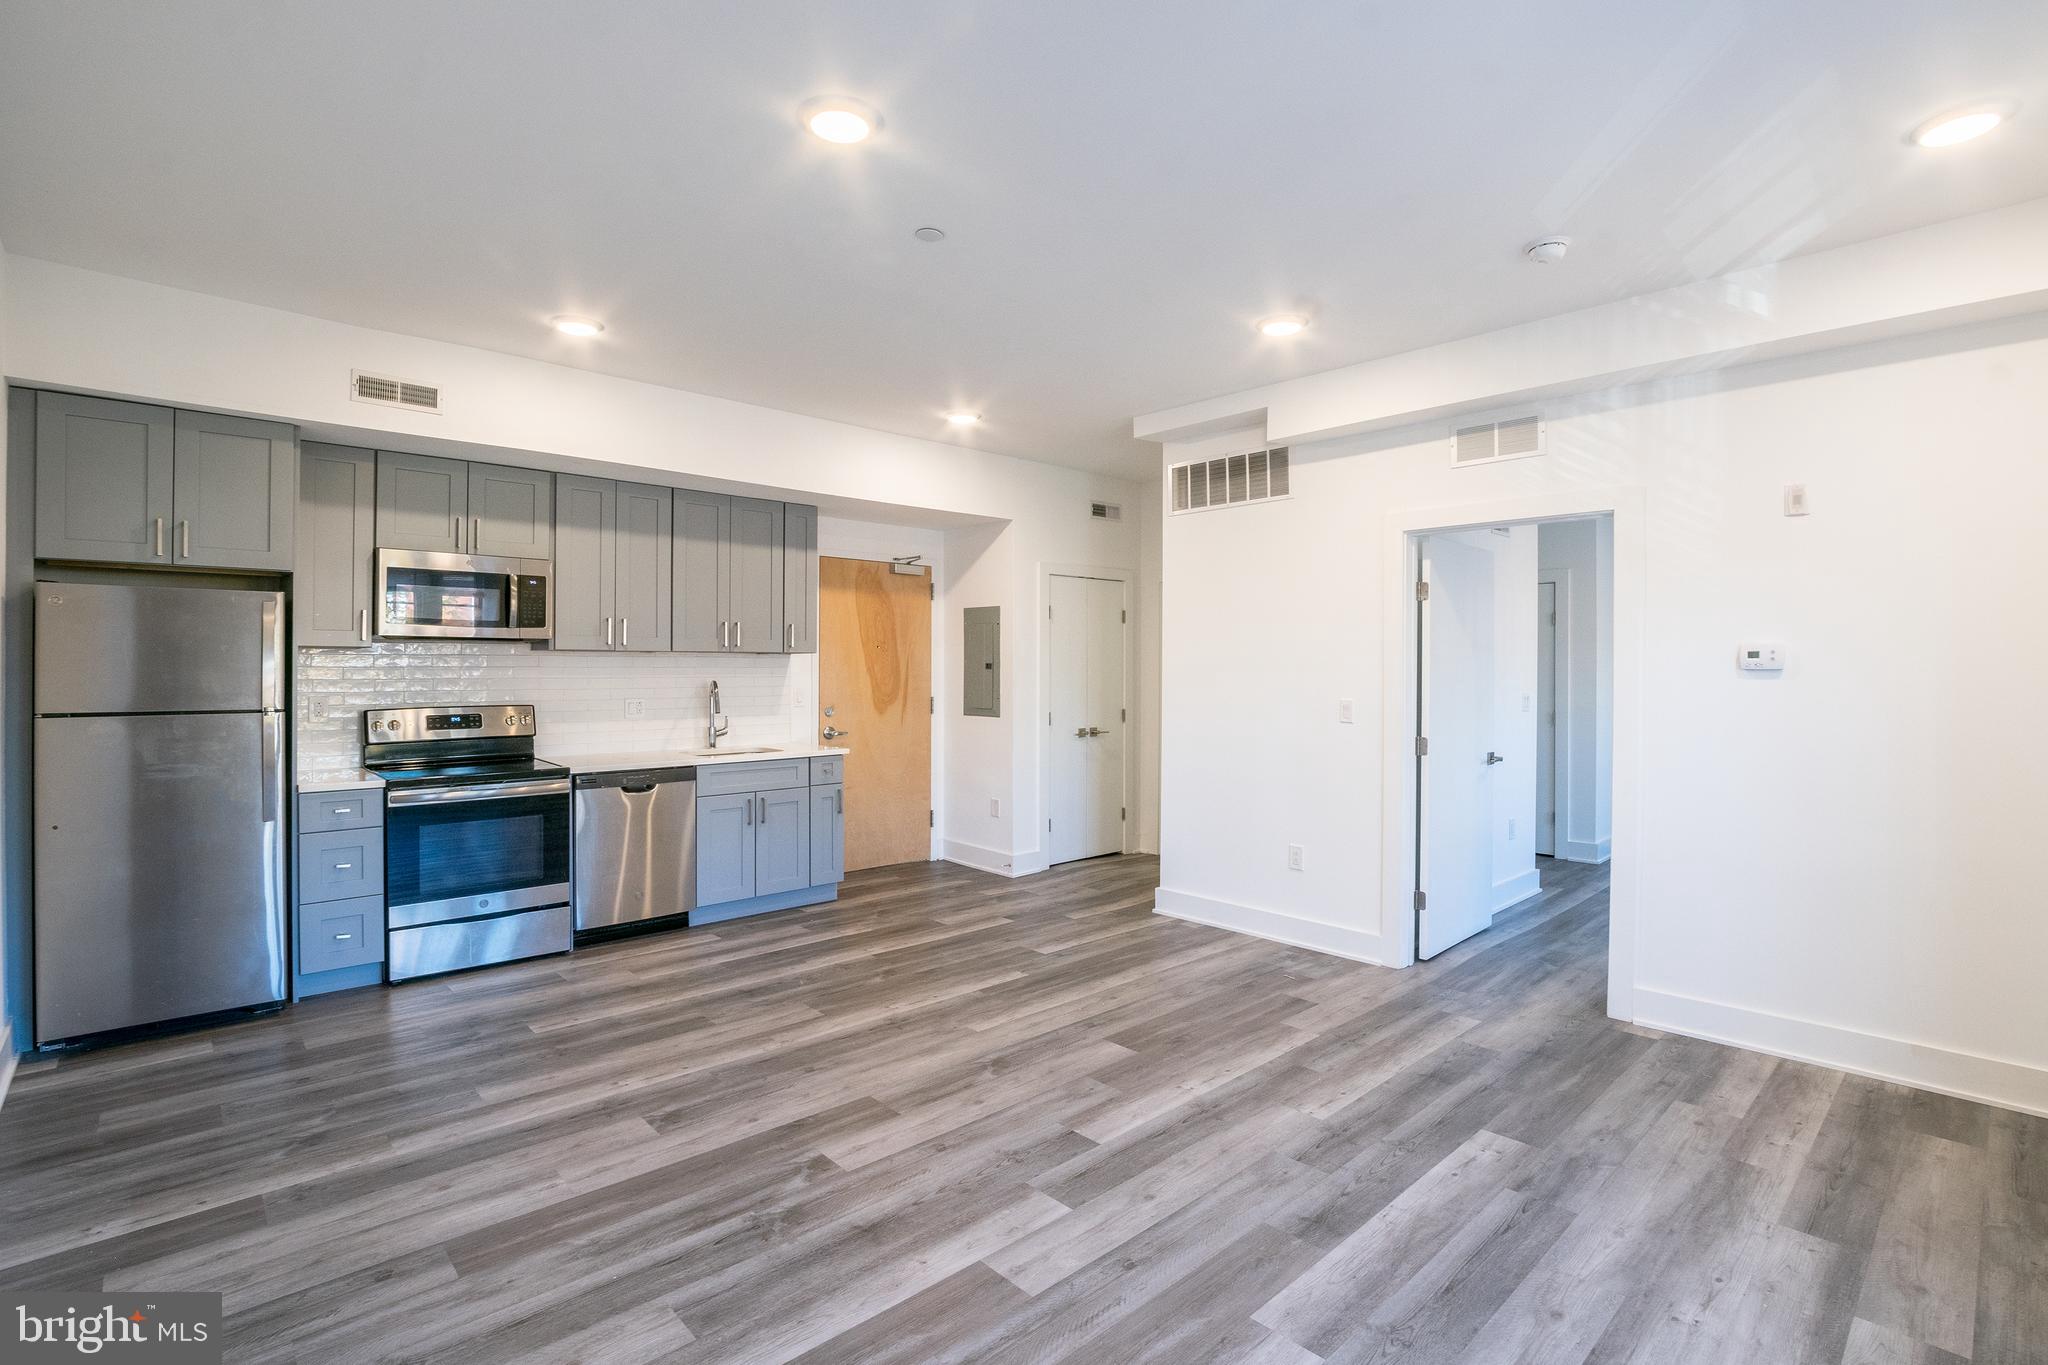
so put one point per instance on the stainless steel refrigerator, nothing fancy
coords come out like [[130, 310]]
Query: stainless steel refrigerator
[[159, 804]]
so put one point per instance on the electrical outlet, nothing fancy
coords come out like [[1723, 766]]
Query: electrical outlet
[[995, 809], [1795, 500], [1345, 714], [635, 708], [1294, 857], [316, 710]]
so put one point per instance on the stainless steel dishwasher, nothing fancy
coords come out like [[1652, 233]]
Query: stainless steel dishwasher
[[636, 847]]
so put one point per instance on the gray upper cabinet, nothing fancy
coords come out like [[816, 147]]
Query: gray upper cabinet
[[756, 576], [234, 492], [646, 575], [103, 480], [511, 512], [799, 579], [422, 502], [335, 546], [703, 584], [586, 535]]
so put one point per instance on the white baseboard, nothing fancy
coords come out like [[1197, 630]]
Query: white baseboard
[[994, 860], [1585, 850], [1966, 1075], [1516, 889], [7, 1058], [1276, 925]]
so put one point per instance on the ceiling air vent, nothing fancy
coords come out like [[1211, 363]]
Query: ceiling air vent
[[365, 387], [1510, 438], [1256, 476], [1105, 511]]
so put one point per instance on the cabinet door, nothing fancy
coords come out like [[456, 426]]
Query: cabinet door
[[799, 579], [511, 512], [756, 576], [422, 502], [234, 492], [586, 541], [828, 835], [725, 848], [646, 576], [782, 841], [103, 480], [334, 555], [703, 587]]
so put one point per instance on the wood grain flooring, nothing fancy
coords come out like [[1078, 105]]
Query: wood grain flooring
[[959, 1118]]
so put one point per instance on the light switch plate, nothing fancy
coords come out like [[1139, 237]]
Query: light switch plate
[[1795, 500], [1345, 712]]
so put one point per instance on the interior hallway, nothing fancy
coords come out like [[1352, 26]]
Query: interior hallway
[[955, 1117]]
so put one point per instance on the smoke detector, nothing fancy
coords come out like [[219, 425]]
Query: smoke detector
[[1547, 250]]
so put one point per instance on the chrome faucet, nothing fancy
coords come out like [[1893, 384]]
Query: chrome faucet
[[718, 724]]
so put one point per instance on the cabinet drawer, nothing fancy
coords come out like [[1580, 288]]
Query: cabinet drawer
[[826, 771], [771, 775], [354, 809], [341, 864], [341, 934]]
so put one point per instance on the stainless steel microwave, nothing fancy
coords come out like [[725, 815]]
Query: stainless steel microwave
[[464, 597]]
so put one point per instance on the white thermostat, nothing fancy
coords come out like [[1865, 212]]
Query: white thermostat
[[1760, 658]]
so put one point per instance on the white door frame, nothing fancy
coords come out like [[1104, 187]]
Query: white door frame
[[1046, 574], [1398, 662], [1561, 698]]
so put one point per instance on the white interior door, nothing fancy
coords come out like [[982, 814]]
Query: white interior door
[[1455, 787], [1546, 719], [1086, 783]]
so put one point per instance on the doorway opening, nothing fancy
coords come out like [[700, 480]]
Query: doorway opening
[[1087, 644], [875, 697], [1513, 674]]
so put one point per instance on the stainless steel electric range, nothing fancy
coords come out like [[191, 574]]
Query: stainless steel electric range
[[477, 837]]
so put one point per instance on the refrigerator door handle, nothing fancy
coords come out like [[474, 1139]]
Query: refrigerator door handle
[[273, 652], [272, 721]]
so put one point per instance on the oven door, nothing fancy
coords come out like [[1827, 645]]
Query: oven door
[[466, 597], [461, 852]]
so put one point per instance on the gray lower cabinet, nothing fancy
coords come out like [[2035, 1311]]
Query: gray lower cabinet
[[725, 848], [782, 841], [511, 512], [799, 579], [103, 480], [334, 557], [339, 898], [703, 582], [422, 502], [828, 835], [234, 492], [756, 576], [613, 576]]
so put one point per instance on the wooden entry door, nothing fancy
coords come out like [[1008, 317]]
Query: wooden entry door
[[875, 676]]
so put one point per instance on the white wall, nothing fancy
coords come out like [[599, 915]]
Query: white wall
[[1584, 552], [79, 329], [1840, 862]]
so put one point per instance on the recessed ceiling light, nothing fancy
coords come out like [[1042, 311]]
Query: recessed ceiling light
[[835, 118], [964, 419], [574, 326], [1961, 125], [930, 234], [1283, 325]]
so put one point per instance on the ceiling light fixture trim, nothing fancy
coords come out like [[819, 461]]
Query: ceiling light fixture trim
[[1283, 325], [839, 119], [1965, 124], [570, 325]]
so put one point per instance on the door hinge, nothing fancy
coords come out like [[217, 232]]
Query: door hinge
[[1048, 827], [1421, 591], [934, 592], [931, 819], [1123, 812], [934, 705], [1048, 612], [1422, 900], [1048, 718], [1123, 713], [1124, 617], [1421, 746]]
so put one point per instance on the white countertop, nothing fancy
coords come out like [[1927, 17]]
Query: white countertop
[[681, 758], [349, 779]]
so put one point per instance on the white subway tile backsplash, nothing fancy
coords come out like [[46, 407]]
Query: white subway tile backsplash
[[579, 699]]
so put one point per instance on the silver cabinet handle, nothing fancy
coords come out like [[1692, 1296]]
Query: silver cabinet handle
[[184, 540], [764, 809], [625, 623], [344, 810], [737, 637], [343, 938], [607, 632], [159, 533], [839, 802], [750, 812], [343, 867], [789, 629], [458, 535], [363, 625], [476, 534]]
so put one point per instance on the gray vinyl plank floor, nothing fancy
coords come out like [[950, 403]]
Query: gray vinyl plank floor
[[959, 1118]]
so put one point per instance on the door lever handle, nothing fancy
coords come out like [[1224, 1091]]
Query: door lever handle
[[834, 732], [1493, 758]]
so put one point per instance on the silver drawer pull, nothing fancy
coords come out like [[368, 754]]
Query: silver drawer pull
[[344, 810], [343, 867], [343, 938]]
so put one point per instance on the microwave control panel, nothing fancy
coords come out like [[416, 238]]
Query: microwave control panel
[[533, 602]]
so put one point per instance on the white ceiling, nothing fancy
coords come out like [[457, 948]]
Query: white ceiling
[[1125, 187]]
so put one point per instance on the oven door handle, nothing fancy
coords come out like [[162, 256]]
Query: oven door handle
[[487, 791]]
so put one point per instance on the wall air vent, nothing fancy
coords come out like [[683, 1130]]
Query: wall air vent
[[1105, 511], [365, 387], [1510, 438], [1228, 480]]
